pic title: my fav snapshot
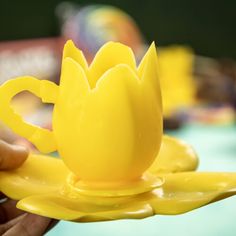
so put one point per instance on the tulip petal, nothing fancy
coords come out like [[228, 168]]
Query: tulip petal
[[72, 76], [148, 70], [39, 174], [108, 56], [71, 51], [174, 156], [183, 192], [59, 207], [130, 133]]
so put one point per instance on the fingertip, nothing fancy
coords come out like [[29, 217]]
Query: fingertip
[[19, 155], [12, 156], [20, 150]]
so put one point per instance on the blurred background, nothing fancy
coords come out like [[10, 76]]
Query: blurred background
[[196, 51], [208, 27]]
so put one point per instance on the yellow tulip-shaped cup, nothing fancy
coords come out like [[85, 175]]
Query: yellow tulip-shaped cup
[[107, 121], [107, 127]]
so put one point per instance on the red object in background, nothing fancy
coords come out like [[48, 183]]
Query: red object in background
[[36, 57]]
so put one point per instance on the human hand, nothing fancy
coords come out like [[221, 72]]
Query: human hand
[[12, 220]]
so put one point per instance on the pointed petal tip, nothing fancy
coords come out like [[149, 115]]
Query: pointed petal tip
[[153, 44], [71, 51], [149, 55], [152, 47], [70, 45], [69, 42]]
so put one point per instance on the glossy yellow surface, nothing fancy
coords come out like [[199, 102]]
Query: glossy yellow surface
[[107, 127], [50, 194], [107, 117]]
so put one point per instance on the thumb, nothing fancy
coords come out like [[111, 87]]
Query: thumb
[[11, 156]]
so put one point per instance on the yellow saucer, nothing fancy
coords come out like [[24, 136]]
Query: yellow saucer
[[170, 186]]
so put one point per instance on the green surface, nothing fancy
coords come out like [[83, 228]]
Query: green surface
[[216, 146]]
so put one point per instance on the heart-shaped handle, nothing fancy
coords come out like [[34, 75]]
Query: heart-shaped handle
[[42, 138]]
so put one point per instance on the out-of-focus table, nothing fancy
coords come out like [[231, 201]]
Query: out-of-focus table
[[216, 147]]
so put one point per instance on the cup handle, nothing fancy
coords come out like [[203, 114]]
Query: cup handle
[[42, 138]]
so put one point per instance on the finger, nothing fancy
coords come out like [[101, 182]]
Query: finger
[[9, 224], [11, 156], [30, 225], [8, 211]]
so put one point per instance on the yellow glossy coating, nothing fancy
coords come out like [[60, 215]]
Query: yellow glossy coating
[[179, 158], [107, 119], [50, 194], [107, 127]]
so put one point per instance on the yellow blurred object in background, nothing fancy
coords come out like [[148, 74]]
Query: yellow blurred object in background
[[176, 78]]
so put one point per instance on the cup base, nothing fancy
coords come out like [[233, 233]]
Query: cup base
[[144, 184]]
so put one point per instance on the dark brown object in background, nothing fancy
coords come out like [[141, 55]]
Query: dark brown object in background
[[227, 67], [216, 81], [172, 123]]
